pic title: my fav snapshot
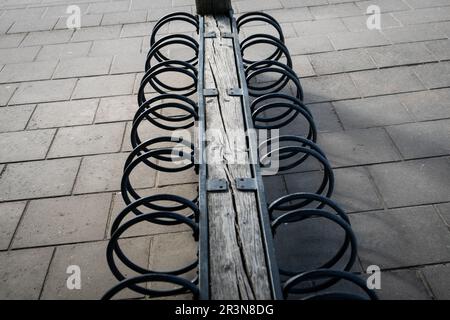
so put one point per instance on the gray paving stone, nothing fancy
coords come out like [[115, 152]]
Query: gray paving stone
[[354, 190], [349, 40], [359, 23], [325, 117], [15, 118], [131, 46], [116, 109], [288, 30], [328, 88], [425, 15], [60, 114], [38, 179], [436, 75], [33, 25], [6, 91], [83, 140], [124, 17], [428, 105], [293, 15], [385, 5], [22, 273], [444, 211], [413, 182], [437, 278], [5, 26], [47, 37], [335, 11], [60, 10], [81, 67], [309, 44], [424, 139], [357, 147], [274, 187], [402, 285], [87, 20], [319, 27], [96, 278], [372, 112], [306, 3], [406, 228], [96, 33], [104, 173], [386, 81], [302, 66], [440, 49], [341, 61], [414, 33], [41, 70], [43, 91], [102, 7], [64, 51], [139, 29], [63, 220], [400, 54], [104, 86], [11, 40], [156, 13], [18, 55], [9, 218], [25, 145], [426, 3], [246, 6], [128, 63]]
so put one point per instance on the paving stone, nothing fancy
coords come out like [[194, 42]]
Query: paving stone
[[18, 55], [341, 61], [38, 179], [414, 33], [63, 220], [426, 15], [349, 40], [246, 6], [22, 273], [11, 40], [87, 20], [305, 3], [386, 81], [325, 117], [274, 187], [428, 105], [102, 7], [424, 139], [96, 278], [293, 15], [6, 91], [104, 86], [124, 17], [440, 49], [41, 70], [319, 27], [104, 173], [402, 285], [400, 54], [47, 37], [328, 88], [372, 112], [9, 218], [444, 211], [15, 118], [83, 140], [96, 33], [435, 75], [354, 190], [25, 145], [61, 10], [131, 46], [357, 147], [81, 67], [188, 191], [413, 182], [437, 278], [156, 13], [302, 66], [5, 26], [43, 91], [60, 114], [335, 11], [359, 23], [406, 228], [385, 5], [64, 51], [33, 25], [116, 109], [426, 3], [139, 29], [169, 178], [128, 63], [146, 131], [288, 30]]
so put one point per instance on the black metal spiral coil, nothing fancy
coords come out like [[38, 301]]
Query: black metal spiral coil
[[171, 154], [273, 109]]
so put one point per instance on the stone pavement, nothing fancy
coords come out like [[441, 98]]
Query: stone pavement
[[381, 100]]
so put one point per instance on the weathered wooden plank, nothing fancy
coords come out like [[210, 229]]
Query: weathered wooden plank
[[213, 6], [237, 260]]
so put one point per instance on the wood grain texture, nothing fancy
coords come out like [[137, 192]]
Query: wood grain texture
[[237, 262]]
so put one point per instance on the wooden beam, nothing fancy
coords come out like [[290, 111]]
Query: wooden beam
[[205, 7], [238, 267]]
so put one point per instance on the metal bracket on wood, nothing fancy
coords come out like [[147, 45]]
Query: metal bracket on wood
[[227, 35], [209, 35], [246, 184], [217, 185], [211, 92], [235, 92]]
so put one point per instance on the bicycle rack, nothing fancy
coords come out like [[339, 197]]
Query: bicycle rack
[[259, 99]]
